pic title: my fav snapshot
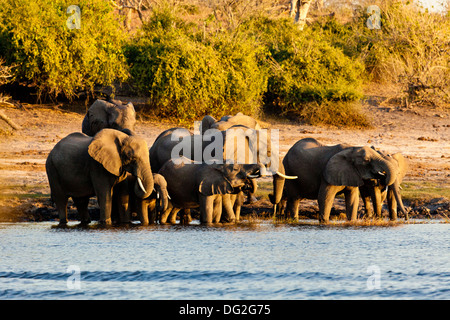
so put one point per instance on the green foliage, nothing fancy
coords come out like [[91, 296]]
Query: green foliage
[[59, 60], [187, 74], [305, 67], [411, 50]]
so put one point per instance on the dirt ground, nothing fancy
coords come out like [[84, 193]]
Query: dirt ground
[[422, 135]]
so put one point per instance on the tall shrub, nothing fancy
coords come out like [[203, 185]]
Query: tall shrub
[[308, 73], [186, 73], [411, 51], [34, 36]]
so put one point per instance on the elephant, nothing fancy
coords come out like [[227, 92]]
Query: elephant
[[378, 191], [109, 114], [202, 185], [80, 166], [226, 122], [238, 144], [208, 122], [156, 202], [325, 171]]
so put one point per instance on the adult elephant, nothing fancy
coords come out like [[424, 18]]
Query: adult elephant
[[325, 171], [80, 166], [193, 185], [109, 114], [377, 190], [113, 114]]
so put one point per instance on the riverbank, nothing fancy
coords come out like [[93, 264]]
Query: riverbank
[[422, 135]]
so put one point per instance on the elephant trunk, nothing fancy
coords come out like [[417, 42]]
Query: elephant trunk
[[144, 181], [387, 169], [162, 201], [398, 198], [278, 186]]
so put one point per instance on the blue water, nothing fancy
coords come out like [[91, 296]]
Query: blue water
[[257, 261]]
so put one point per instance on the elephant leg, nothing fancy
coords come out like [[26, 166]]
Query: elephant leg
[[293, 205], [165, 214], [82, 208], [142, 212], [351, 203], [392, 205], [105, 202], [206, 209], [173, 215], [119, 209], [186, 217], [327, 193], [152, 211], [217, 209], [61, 205], [376, 200], [367, 207], [238, 205], [226, 201]]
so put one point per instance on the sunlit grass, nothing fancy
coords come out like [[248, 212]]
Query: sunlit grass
[[424, 190]]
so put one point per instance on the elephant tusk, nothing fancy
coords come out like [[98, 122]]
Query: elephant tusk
[[285, 176], [141, 185], [253, 176], [168, 197], [381, 173]]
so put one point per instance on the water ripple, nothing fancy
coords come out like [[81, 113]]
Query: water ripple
[[171, 275]]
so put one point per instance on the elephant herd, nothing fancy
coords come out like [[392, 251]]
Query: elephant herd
[[212, 170]]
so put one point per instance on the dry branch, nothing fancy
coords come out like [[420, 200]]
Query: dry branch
[[5, 118]]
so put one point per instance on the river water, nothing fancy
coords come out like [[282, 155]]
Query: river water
[[261, 260]]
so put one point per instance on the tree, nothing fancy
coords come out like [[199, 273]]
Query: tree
[[299, 11]]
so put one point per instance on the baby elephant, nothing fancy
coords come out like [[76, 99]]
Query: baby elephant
[[378, 191], [148, 208], [80, 167], [193, 185]]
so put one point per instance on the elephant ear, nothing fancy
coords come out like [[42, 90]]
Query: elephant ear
[[215, 183], [105, 148], [402, 164], [340, 171]]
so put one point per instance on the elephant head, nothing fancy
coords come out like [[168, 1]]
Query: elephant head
[[391, 191], [355, 165], [119, 152], [226, 178], [115, 115]]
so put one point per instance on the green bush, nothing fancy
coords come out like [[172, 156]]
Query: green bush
[[411, 51], [306, 67], [59, 60], [187, 74]]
